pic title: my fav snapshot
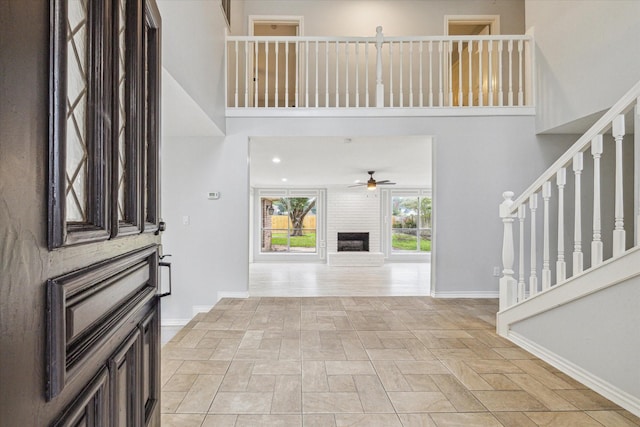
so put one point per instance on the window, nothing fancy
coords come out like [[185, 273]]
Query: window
[[104, 120], [411, 224], [288, 224]]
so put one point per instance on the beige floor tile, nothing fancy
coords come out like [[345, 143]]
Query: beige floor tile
[[461, 398], [367, 420], [314, 376], [277, 367], [416, 420], [478, 419], [318, 420], [514, 353], [630, 416], [466, 375], [179, 382], [508, 401], [390, 376], [500, 382], [421, 367], [587, 400], [514, 419], [173, 353], [203, 367], [170, 400], [421, 383], [287, 395], [564, 419], [200, 395], [545, 395], [486, 366], [390, 354], [241, 403], [261, 383], [341, 383], [269, 421], [612, 419], [414, 402], [181, 420], [331, 403], [349, 367], [372, 395], [168, 368], [543, 375], [237, 376], [219, 421]]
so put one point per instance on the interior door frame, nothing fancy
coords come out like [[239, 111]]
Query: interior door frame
[[275, 20]]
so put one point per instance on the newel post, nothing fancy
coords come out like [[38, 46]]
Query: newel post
[[379, 84], [508, 291]]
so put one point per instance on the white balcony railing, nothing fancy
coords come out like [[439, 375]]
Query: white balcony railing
[[425, 71], [585, 196]]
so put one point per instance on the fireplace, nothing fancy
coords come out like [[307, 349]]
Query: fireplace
[[353, 242]]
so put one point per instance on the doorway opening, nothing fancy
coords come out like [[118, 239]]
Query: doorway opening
[[277, 62]]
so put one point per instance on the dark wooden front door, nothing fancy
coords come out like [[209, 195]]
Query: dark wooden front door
[[79, 213]]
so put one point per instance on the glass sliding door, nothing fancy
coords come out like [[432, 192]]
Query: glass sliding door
[[411, 224], [288, 225]]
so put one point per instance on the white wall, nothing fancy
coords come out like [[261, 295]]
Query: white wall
[[193, 47], [598, 334], [397, 17], [587, 56], [354, 210]]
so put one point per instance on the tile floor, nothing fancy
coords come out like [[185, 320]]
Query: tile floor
[[365, 361]]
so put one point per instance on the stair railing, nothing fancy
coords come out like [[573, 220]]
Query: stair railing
[[605, 137]]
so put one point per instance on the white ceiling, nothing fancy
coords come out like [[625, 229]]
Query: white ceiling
[[338, 161]]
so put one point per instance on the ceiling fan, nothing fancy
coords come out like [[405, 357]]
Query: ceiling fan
[[372, 183]]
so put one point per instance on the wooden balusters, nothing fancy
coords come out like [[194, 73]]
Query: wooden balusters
[[337, 94], [507, 283], [500, 92], [317, 73], [520, 77], [297, 85], [430, 73], [460, 95], [306, 73], [440, 67], [618, 231], [546, 262], [366, 74], [596, 244], [266, 74], [247, 54], [522, 213], [235, 98], [470, 51], [379, 85], [533, 277], [390, 74], [326, 75], [255, 76], [275, 97], [421, 96], [357, 74], [286, 74], [411, 73], [490, 76], [510, 94], [480, 82], [578, 265], [561, 265], [400, 76], [346, 74]]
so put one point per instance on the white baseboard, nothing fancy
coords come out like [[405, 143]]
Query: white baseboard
[[174, 322], [200, 309], [242, 295], [627, 401], [455, 294]]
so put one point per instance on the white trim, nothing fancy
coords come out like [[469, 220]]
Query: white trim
[[174, 322], [492, 20], [470, 294], [343, 112], [627, 401], [223, 294]]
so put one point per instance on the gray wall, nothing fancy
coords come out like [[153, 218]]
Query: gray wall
[[598, 333], [475, 160]]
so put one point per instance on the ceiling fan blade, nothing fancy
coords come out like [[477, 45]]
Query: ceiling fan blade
[[382, 181], [387, 182], [358, 185]]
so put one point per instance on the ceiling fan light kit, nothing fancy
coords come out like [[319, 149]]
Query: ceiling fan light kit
[[372, 184]]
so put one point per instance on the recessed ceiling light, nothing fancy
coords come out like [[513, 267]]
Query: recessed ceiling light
[[284, 179], [276, 160]]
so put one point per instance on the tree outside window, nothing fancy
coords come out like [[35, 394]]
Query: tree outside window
[[411, 224], [289, 224]]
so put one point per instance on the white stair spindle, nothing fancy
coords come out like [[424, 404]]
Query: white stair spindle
[[636, 127], [546, 262], [366, 74], [460, 95], [246, 73], [255, 76], [561, 265], [326, 74], [510, 93], [266, 74], [440, 68], [500, 92], [430, 73], [421, 96], [618, 231], [337, 94], [286, 74], [490, 73], [522, 213], [346, 75], [235, 102], [480, 82], [390, 74], [450, 68], [470, 89], [520, 82], [357, 74], [596, 244], [306, 73], [317, 67], [578, 264], [277, 93], [533, 277], [297, 85], [508, 292], [410, 73], [401, 76]]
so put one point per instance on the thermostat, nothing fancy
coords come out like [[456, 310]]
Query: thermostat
[[215, 195]]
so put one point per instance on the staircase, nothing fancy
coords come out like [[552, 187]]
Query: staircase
[[570, 285]]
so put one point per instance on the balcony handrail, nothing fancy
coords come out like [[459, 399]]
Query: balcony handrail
[[379, 71]]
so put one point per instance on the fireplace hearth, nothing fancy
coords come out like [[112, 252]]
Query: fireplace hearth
[[353, 242]]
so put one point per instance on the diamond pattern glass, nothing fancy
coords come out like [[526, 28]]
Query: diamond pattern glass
[[76, 140]]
